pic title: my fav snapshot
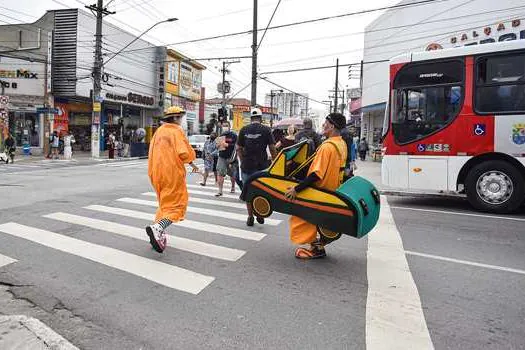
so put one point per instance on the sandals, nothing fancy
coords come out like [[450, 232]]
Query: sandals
[[315, 252]]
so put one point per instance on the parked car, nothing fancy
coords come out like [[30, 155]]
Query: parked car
[[352, 209], [197, 143]]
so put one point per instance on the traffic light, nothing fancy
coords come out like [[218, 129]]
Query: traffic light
[[223, 114]]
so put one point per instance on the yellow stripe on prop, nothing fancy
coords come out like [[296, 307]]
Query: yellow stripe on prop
[[310, 194]]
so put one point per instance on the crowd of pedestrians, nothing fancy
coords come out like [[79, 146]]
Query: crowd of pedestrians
[[239, 157]]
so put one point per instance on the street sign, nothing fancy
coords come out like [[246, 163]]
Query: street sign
[[4, 100], [224, 87], [47, 110]]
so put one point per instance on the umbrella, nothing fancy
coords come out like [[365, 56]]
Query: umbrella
[[284, 123]]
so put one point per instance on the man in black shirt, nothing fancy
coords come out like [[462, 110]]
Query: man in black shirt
[[251, 148], [227, 162]]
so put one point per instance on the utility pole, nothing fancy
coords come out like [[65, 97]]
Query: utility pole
[[224, 71], [336, 84], [97, 76], [343, 103], [254, 56]]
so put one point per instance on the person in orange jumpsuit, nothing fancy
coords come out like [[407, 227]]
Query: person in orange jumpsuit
[[169, 151], [325, 173]]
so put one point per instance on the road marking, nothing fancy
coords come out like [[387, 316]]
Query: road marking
[[465, 262], [155, 271], [199, 210], [394, 317], [5, 260], [124, 164], [459, 213], [193, 225], [187, 245], [210, 191], [199, 200]]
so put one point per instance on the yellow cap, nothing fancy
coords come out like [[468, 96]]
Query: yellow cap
[[174, 110]]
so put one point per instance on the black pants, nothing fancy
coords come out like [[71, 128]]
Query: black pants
[[362, 155]]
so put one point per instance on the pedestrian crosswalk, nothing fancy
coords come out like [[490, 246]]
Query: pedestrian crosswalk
[[119, 217]]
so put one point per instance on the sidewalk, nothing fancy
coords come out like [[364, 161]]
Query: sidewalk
[[22, 332], [78, 157]]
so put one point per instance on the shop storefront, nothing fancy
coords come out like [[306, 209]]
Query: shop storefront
[[24, 85]]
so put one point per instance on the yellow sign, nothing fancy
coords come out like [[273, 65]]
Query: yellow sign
[[97, 107]]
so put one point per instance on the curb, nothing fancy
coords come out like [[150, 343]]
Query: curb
[[399, 193], [52, 339]]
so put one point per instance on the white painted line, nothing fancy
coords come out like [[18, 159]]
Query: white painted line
[[190, 224], [155, 271], [5, 260], [210, 212], [460, 213], [187, 245], [394, 317], [211, 191], [208, 201], [465, 262]]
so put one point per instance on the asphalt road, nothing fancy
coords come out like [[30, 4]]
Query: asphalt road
[[419, 281]]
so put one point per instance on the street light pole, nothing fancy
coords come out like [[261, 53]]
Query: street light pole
[[254, 56], [97, 72]]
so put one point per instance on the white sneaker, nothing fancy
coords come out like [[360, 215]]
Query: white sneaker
[[157, 238]]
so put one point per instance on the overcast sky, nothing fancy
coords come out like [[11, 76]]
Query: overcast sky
[[301, 46]]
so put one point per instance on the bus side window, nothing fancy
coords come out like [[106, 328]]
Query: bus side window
[[500, 83]]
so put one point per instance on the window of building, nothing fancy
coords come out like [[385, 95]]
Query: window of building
[[426, 98], [500, 84], [173, 72]]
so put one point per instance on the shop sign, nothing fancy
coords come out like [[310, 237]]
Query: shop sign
[[131, 98], [22, 77], [97, 107], [186, 80], [503, 31], [18, 74]]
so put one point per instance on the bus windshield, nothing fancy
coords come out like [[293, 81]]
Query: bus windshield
[[420, 109]]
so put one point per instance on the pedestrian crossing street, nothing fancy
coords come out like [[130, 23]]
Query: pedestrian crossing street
[[95, 217]]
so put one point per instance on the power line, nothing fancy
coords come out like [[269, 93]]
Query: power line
[[269, 23], [296, 93], [312, 20], [423, 2]]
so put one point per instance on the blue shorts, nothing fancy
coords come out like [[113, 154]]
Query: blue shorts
[[246, 175]]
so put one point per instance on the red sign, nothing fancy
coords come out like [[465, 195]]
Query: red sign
[[61, 120]]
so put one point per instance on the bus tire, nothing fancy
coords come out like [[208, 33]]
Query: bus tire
[[495, 186]]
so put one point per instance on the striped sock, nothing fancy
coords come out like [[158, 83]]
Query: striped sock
[[164, 223]]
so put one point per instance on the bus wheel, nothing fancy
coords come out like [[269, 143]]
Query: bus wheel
[[261, 207], [495, 186]]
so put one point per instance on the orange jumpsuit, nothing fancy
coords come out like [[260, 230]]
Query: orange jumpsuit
[[327, 166], [169, 150]]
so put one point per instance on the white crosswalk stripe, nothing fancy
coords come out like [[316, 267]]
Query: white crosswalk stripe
[[202, 211], [188, 245], [190, 224], [155, 271], [202, 191], [217, 203], [5, 260]]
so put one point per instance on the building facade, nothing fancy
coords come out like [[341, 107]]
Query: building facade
[[183, 87], [48, 79], [289, 104], [432, 26], [25, 82]]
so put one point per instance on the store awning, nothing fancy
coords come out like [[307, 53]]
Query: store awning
[[374, 107]]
